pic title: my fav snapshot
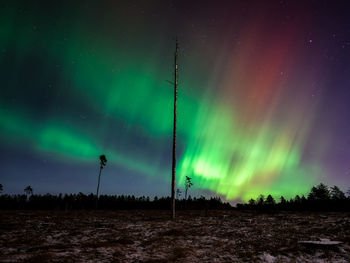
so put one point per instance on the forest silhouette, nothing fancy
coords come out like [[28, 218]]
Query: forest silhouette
[[82, 201], [320, 198]]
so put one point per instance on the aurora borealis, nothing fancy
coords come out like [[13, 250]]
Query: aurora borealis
[[263, 100]]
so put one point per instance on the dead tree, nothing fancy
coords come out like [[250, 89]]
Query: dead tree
[[188, 184], [174, 137], [103, 162], [28, 190]]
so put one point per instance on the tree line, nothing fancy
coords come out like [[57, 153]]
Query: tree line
[[82, 201], [320, 198]]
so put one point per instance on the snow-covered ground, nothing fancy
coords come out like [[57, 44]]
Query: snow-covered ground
[[149, 236]]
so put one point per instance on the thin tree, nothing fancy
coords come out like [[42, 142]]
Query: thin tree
[[178, 193], [188, 184], [174, 136], [28, 190], [103, 161]]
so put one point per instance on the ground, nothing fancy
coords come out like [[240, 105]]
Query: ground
[[150, 236]]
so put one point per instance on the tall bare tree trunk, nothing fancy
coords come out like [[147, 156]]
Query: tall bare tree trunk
[[98, 185], [174, 138]]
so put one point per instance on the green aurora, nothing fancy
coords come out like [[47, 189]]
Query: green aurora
[[111, 94]]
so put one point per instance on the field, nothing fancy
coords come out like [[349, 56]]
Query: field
[[149, 236]]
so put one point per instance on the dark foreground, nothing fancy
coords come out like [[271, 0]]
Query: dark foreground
[[149, 236]]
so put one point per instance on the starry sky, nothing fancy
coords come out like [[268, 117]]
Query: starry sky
[[263, 96]]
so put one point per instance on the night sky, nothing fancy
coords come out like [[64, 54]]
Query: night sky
[[263, 99]]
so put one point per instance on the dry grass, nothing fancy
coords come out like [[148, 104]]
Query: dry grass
[[150, 236]]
